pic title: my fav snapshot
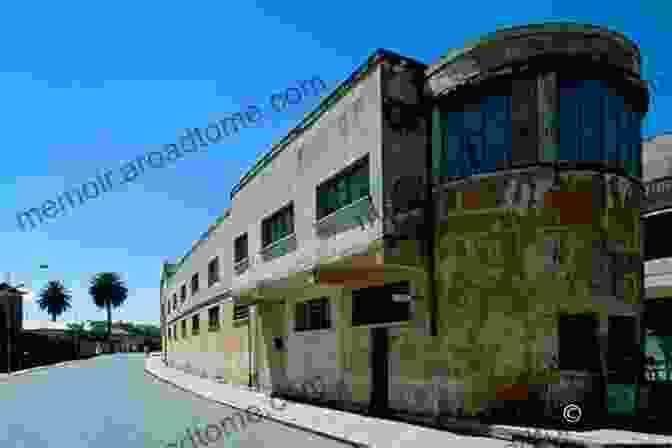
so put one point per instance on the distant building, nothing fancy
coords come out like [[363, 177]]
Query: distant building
[[11, 319]]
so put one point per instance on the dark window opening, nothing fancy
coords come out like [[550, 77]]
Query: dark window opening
[[375, 305], [313, 315]]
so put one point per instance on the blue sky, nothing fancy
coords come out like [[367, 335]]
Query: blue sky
[[86, 86]]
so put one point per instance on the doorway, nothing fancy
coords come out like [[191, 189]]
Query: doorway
[[379, 371]]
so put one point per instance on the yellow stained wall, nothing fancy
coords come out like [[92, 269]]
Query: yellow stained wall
[[498, 304], [223, 347]]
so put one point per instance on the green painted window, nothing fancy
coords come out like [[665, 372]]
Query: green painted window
[[345, 188], [313, 315], [278, 226]]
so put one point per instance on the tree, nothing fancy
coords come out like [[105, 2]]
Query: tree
[[54, 298], [108, 291]]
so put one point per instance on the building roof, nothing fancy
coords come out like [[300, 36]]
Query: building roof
[[169, 270]]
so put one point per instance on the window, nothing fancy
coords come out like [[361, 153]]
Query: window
[[476, 137], [175, 302], [241, 312], [597, 124], [278, 226], [213, 319], [183, 293], [169, 334], [184, 329], [347, 187], [313, 315], [240, 248], [194, 284], [213, 272], [175, 332], [195, 325], [578, 346]]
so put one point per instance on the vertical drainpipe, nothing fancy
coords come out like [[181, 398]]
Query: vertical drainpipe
[[430, 208]]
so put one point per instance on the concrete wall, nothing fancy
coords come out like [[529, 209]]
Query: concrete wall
[[223, 353]]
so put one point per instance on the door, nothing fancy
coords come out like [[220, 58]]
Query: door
[[379, 371]]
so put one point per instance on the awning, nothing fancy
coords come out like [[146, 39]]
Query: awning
[[361, 271]]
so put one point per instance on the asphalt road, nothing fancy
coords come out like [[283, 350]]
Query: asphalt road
[[110, 401]]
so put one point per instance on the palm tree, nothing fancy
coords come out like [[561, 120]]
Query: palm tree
[[108, 291], [54, 298]]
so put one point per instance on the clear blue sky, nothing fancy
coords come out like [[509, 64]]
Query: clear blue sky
[[86, 86]]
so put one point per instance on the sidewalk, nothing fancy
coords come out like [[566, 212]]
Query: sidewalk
[[366, 431]]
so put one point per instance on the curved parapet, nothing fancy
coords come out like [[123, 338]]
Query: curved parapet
[[513, 46]]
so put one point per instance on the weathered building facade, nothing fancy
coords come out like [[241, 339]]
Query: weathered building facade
[[456, 239]]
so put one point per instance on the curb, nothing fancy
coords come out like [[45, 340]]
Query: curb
[[34, 369], [268, 417]]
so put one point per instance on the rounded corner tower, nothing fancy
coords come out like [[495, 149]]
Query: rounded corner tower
[[537, 169]]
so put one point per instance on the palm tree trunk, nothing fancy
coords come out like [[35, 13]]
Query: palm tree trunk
[[109, 320]]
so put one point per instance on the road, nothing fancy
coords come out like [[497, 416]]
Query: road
[[109, 401]]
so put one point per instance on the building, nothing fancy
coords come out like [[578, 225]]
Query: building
[[657, 158], [438, 239], [11, 321]]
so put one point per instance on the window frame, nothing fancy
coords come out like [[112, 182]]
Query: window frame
[[213, 275], [276, 219], [194, 284], [237, 245], [328, 191], [454, 161], [195, 325], [620, 141], [241, 312], [313, 315], [213, 324]]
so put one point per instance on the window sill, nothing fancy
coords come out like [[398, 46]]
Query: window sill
[[279, 248], [352, 215], [241, 266], [213, 329]]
